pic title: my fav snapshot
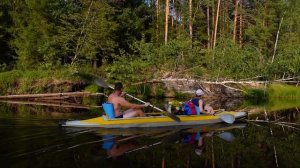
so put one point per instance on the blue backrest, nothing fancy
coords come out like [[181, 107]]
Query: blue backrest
[[109, 110]]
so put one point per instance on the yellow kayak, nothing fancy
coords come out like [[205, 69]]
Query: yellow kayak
[[153, 121]]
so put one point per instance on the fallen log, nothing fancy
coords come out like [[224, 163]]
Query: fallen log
[[64, 105], [49, 95]]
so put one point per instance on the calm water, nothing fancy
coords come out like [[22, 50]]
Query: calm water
[[31, 137]]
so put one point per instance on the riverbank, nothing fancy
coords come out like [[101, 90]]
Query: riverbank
[[66, 80], [60, 81], [41, 81]]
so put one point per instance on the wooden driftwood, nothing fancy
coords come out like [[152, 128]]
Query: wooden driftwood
[[50, 95], [229, 88], [53, 104]]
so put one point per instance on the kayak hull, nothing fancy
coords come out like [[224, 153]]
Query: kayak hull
[[151, 121]]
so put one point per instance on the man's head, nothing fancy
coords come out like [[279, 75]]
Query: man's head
[[118, 86]]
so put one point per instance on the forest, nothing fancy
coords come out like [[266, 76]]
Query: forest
[[137, 40]]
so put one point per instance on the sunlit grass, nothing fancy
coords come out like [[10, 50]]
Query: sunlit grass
[[33, 81], [275, 97], [283, 91], [283, 97]]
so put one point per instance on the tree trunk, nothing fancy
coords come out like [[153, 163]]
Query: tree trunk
[[190, 19], [241, 25], [173, 3], [216, 24], [208, 25], [166, 21], [222, 27], [213, 23], [157, 20], [78, 45], [235, 19], [275, 47]]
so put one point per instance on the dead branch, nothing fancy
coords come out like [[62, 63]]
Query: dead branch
[[43, 95], [234, 88], [286, 79], [64, 105]]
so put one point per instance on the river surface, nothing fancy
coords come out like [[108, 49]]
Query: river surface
[[31, 137]]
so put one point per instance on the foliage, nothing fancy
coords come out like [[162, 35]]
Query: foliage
[[125, 39], [287, 58], [134, 20], [50, 33], [19, 82], [8, 81], [257, 93], [93, 88], [7, 59], [85, 32], [228, 60]]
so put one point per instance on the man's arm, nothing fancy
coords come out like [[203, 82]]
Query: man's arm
[[127, 104]]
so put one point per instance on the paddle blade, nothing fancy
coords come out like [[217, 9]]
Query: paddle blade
[[169, 113], [174, 117], [101, 83], [228, 118], [168, 108], [227, 136]]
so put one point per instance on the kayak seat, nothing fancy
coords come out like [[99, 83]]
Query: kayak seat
[[109, 110]]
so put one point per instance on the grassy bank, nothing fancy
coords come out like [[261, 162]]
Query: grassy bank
[[283, 97], [275, 97], [40, 81], [282, 91]]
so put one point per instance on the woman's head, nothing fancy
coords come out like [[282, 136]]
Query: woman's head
[[199, 92]]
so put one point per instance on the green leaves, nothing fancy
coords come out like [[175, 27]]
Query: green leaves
[[127, 37], [228, 60]]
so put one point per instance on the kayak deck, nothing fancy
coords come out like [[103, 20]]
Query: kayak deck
[[151, 121]]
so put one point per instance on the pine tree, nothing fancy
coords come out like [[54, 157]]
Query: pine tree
[[6, 56]]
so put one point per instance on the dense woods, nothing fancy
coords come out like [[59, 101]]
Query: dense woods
[[135, 40]]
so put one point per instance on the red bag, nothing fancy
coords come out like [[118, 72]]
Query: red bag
[[189, 108]]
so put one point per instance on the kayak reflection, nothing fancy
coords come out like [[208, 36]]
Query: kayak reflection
[[197, 139], [115, 148]]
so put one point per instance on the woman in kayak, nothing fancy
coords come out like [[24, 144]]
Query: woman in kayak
[[198, 101]]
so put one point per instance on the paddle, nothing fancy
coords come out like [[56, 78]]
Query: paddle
[[227, 136], [102, 83], [228, 118]]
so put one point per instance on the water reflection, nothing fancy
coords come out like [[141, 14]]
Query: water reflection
[[116, 148], [30, 137], [117, 145]]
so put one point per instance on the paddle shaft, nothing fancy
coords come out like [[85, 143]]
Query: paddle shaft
[[156, 108], [172, 116]]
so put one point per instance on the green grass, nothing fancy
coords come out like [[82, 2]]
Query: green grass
[[274, 98], [36, 81], [283, 97], [8, 81], [93, 88], [283, 91], [257, 93]]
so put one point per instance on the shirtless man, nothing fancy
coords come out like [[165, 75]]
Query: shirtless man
[[118, 101]]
